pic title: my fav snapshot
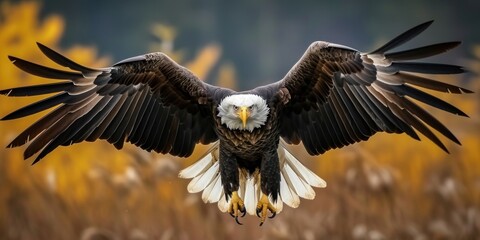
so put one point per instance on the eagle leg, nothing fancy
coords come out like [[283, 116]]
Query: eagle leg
[[236, 206], [263, 206]]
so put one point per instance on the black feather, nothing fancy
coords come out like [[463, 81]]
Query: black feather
[[421, 52], [118, 116], [61, 138], [157, 136], [429, 119], [100, 111], [64, 61], [332, 124], [142, 100], [348, 132], [178, 144], [367, 126], [37, 89], [118, 137], [107, 114], [429, 68], [402, 38], [40, 125], [171, 136], [147, 129], [429, 83], [404, 90], [355, 120], [163, 128], [38, 106], [42, 71], [141, 125], [67, 136], [384, 120], [413, 121]]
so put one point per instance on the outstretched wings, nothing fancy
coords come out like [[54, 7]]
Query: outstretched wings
[[148, 100], [335, 95]]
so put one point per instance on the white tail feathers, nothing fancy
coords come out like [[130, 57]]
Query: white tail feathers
[[296, 181], [303, 172], [202, 165], [251, 196], [214, 191]]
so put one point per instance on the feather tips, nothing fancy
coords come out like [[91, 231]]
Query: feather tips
[[402, 38], [369, 93], [163, 90]]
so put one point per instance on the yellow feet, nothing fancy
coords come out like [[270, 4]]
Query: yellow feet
[[263, 207], [236, 206]]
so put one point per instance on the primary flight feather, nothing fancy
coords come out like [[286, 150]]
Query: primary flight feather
[[333, 96]]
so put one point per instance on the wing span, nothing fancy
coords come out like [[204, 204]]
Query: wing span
[[335, 95], [149, 100]]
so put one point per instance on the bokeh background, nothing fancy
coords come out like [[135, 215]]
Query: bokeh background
[[390, 187]]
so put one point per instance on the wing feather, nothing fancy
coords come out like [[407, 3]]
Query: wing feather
[[38, 89], [421, 52], [64, 61], [403, 38], [339, 96], [148, 100]]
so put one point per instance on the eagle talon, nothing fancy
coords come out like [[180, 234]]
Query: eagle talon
[[238, 222], [263, 207], [236, 218], [243, 211], [236, 206]]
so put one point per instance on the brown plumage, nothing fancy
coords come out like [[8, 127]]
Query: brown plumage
[[334, 96]]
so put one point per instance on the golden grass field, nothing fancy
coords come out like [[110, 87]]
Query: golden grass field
[[391, 187]]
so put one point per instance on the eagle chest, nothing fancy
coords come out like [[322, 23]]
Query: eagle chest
[[242, 141]]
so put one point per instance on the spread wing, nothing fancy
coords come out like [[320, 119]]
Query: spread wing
[[148, 100], [335, 96]]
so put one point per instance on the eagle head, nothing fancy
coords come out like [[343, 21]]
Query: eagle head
[[243, 111]]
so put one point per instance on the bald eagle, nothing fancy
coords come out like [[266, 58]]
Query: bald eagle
[[333, 96]]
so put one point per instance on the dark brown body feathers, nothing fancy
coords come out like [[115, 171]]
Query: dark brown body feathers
[[334, 96]]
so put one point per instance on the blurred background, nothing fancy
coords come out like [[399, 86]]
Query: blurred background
[[391, 187]]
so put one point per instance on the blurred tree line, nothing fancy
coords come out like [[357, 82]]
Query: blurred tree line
[[262, 39]]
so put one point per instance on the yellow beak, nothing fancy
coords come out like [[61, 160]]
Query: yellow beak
[[243, 114]]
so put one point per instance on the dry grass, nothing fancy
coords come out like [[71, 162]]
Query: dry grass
[[388, 188]]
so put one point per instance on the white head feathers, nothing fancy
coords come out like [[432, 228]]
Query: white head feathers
[[257, 107]]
